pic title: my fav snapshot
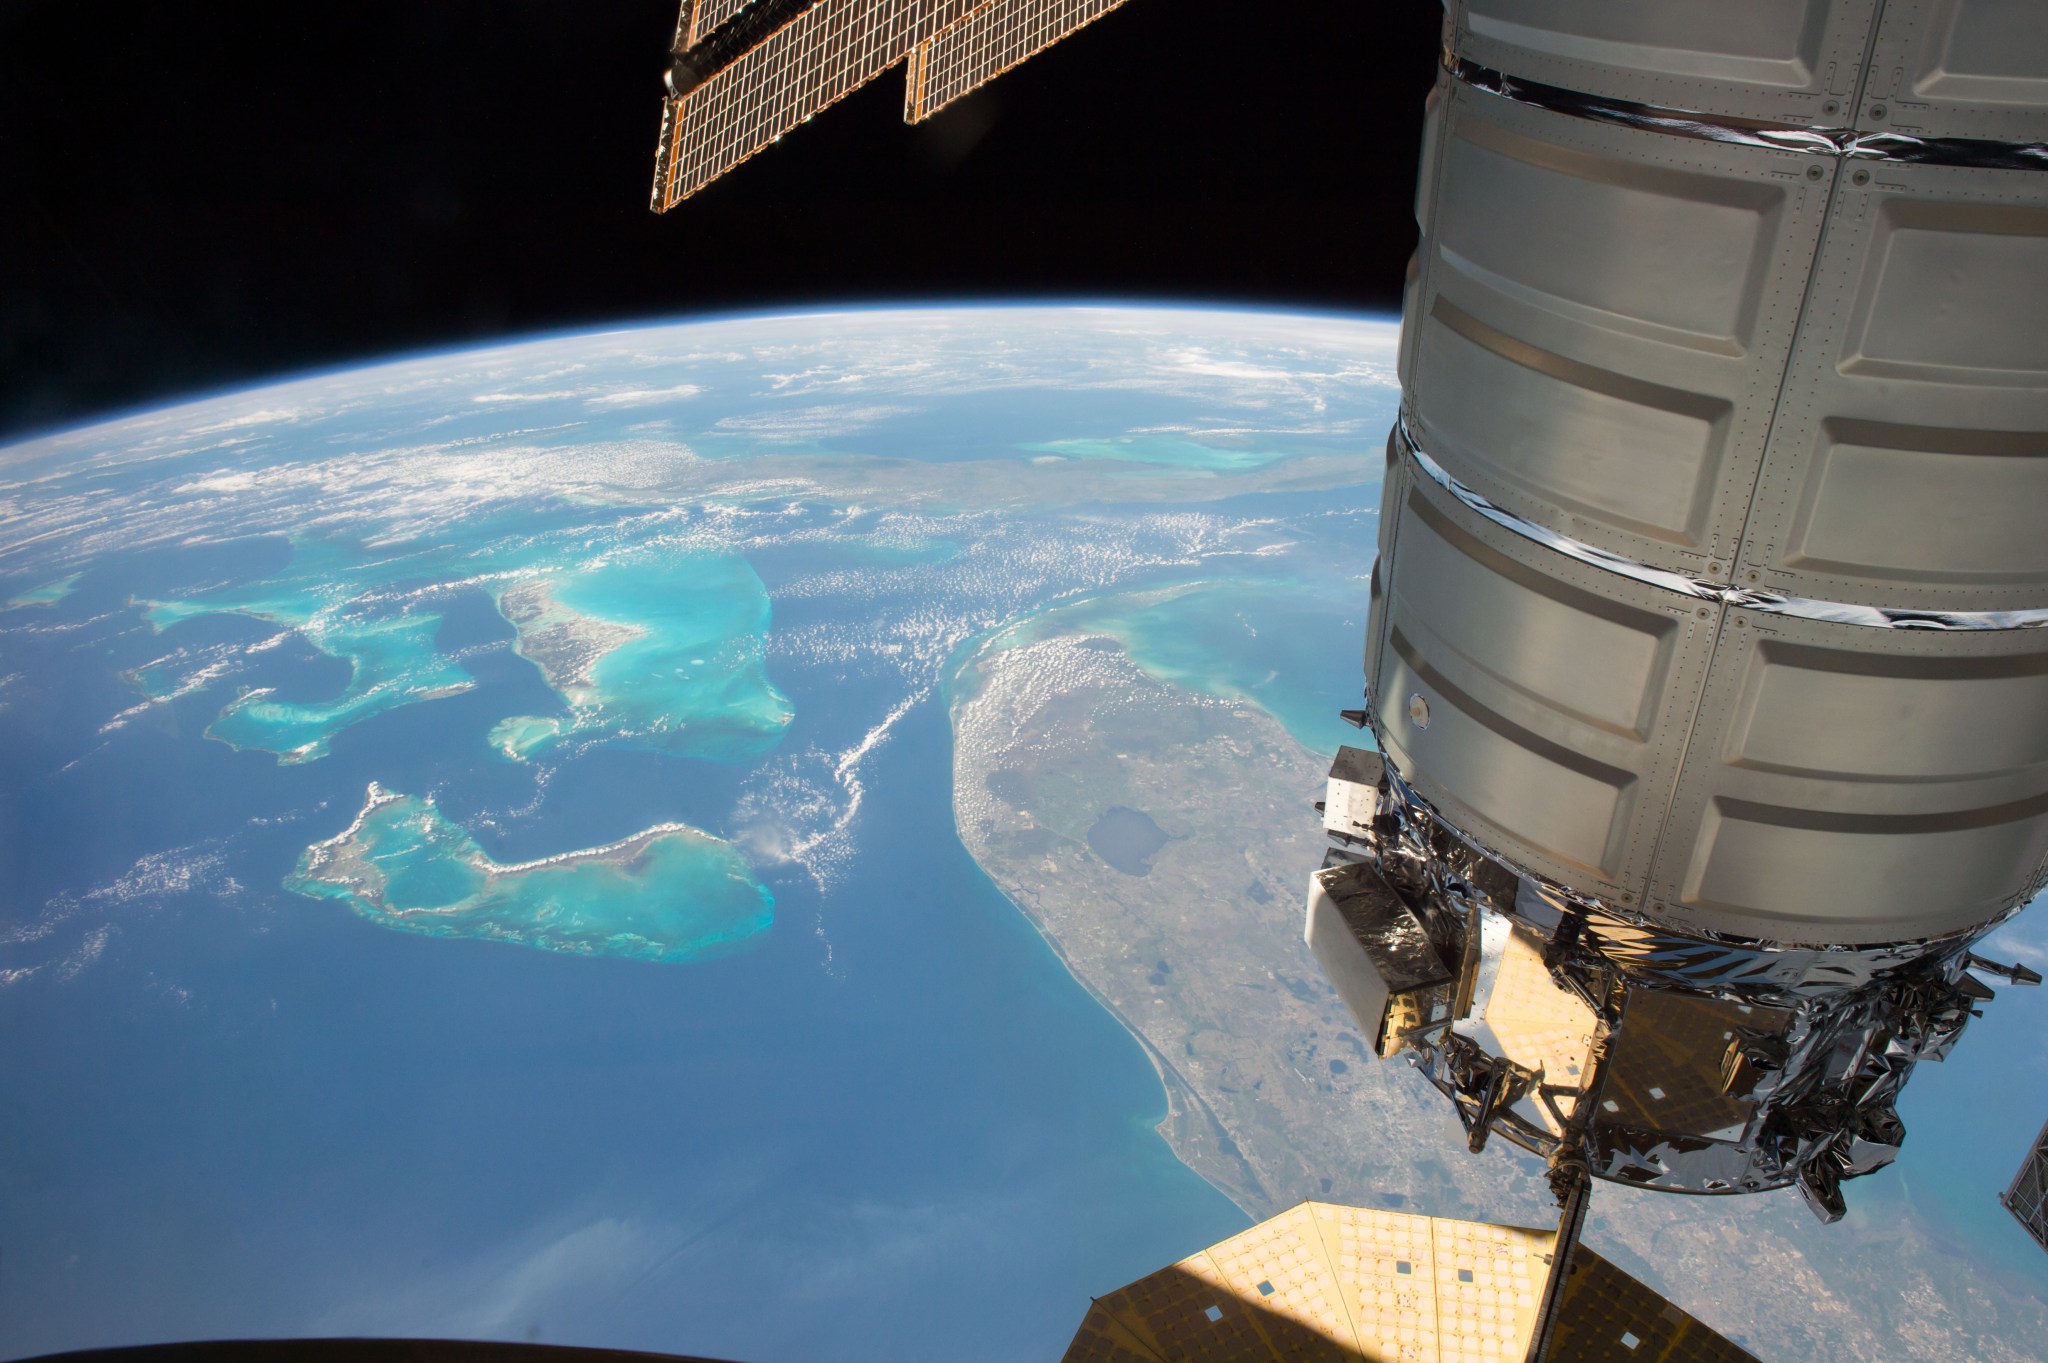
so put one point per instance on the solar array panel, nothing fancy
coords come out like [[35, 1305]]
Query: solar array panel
[[1538, 1025], [795, 58], [1663, 1079], [2027, 1199], [1609, 1317], [1322, 1283], [819, 57], [986, 43], [702, 17]]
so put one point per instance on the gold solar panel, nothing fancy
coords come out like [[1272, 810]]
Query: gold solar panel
[[1609, 1317], [1386, 1263], [1538, 1025], [974, 51], [704, 17], [1187, 1313], [817, 58], [1352, 1285], [1282, 1267], [1488, 1279], [811, 56], [1102, 1338], [1661, 1076]]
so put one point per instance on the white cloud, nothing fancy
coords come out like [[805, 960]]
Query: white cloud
[[2024, 938], [262, 416], [644, 397], [502, 1293], [807, 423]]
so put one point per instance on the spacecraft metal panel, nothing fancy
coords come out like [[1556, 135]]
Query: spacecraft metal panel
[[1628, 322], [1909, 463], [1962, 68], [1376, 953], [985, 44], [1541, 704], [1776, 59], [1855, 785], [2027, 1198], [1957, 68], [1789, 399], [1716, 767]]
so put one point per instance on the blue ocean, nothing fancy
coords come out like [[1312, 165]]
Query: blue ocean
[[477, 847], [478, 834], [772, 1154]]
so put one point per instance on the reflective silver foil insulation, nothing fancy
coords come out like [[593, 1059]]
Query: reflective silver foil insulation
[[1683, 1063]]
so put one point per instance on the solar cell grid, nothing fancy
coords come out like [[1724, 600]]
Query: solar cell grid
[[1102, 1339], [1385, 1262], [1325, 1282], [1487, 1280], [819, 57], [706, 15], [1177, 1316], [1663, 1080], [1602, 1304], [1302, 1310], [827, 51], [983, 45], [1538, 1025]]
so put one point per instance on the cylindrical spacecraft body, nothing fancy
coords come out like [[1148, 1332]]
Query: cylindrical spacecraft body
[[1711, 607], [1742, 626]]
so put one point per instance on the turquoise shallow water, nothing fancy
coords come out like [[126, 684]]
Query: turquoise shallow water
[[48, 594], [685, 673], [341, 600], [1169, 451], [1285, 644], [671, 894], [654, 643]]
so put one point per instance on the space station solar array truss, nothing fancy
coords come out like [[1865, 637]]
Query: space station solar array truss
[[748, 71]]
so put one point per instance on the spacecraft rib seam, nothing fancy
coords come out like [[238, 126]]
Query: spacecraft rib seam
[[1738, 598], [1864, 67]]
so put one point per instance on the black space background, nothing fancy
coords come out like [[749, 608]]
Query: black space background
[[194, 197]]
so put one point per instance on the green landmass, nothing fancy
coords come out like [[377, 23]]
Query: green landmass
[[1272, 1094]]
